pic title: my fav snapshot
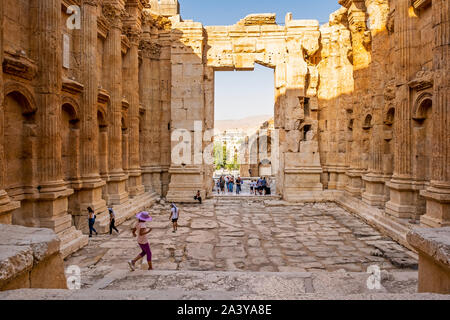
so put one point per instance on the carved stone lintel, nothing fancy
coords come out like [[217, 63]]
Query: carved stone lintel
[[19, 65]]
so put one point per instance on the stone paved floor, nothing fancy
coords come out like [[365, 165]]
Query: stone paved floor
[[247, 235]]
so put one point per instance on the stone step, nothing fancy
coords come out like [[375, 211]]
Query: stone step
[[72, 240], [181, 285]]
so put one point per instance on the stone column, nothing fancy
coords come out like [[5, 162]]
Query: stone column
[[6, 205], [187, 113], [52, 205], [402, 203], [149, 82], [133, 30], [438, 194], [164, 88], [91, 193], [376, 193], [116, 183], [361, 62]]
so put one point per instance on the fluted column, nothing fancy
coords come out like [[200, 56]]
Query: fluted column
[[6, 205], [53, 203], [403, 196], [438, 194], [131, 91], [116, 192], [149, 82], [361, 62], [375, 193], [91, 193]]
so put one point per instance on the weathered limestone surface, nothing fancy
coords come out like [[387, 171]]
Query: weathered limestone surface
[[433, 246], [29, 258]]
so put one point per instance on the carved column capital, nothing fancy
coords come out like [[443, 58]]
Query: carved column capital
[[114, 14], [133, 34], [150, 49]]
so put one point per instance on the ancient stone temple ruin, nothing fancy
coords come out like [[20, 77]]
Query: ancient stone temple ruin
[[95, 92]]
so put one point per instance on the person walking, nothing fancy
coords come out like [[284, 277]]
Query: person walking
[[174, 214], [238, 185], [91, 222], [140, 230], [222, 185], [112, 221]]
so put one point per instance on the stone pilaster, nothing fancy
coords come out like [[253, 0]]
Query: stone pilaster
[[116, 184], [187, 107], [52, 204], [6, 205], [403, 191], [132, 28], [90, 194], [438, 194]]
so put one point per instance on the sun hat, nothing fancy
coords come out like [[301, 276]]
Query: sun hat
[[144, 216]]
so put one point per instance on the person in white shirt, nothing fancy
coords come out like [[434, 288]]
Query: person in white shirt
[[174, 214]]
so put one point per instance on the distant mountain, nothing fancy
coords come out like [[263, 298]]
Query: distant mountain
[[245, 124]]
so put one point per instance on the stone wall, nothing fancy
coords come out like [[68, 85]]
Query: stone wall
[[85, 118], [29, 258], [382, 122]]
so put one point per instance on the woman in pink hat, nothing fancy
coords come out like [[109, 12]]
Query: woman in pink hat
[[142, 231]]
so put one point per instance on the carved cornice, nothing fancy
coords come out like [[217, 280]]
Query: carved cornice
[[156, 21], [18, 65], [72, 86], [423, 80], [102, 27], [150, 49], [103, 96]]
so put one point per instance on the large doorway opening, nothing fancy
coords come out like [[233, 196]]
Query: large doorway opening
[[244, 126]]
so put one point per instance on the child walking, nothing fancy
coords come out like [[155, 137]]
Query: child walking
[[142, 231]]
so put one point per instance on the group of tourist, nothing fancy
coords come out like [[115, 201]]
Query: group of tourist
[[227, 183], [260, 186]]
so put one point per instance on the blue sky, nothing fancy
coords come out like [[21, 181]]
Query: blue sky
[[243, 94]]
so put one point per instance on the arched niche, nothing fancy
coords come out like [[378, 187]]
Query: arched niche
[[102, 142], [20, 133], [70, 139], [422, 137]]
